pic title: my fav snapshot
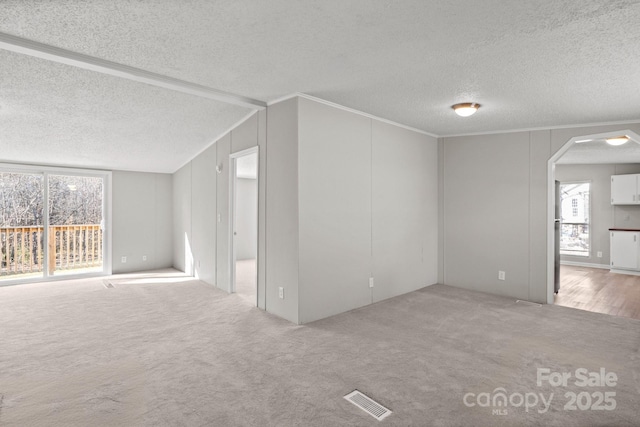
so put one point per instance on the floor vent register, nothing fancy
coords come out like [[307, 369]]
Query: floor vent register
[[368, 405]]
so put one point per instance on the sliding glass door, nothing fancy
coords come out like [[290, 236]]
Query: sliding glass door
[[21, 225], [52, 223], [75, 224]]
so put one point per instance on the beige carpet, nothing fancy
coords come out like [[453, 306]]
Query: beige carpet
[[246, 280], [163, 350]]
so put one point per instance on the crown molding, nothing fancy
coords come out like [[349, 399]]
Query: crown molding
[[351, 110], [584, 125]]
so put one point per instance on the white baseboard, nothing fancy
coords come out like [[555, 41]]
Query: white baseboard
[[605, 267], [585, 264], [631, 272]]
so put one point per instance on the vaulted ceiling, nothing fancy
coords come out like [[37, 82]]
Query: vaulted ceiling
[[530, 64]]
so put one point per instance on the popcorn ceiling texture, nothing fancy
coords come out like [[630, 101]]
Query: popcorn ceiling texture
[[57, 114], [531, 64], [600, 152]]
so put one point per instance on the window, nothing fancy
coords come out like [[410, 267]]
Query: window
[[575, 211]]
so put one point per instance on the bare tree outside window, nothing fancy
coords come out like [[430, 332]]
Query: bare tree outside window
[[75, 200], [75, 224], [21, 199]]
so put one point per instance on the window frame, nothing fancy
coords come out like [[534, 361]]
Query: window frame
[[106, 210], [588, 216]]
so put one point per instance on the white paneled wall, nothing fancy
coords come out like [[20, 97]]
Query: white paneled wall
[[368, 198], [201, 195], [343, 198], [405, 210], [282, 209], [494, 209], [335, 210], [142, 216]]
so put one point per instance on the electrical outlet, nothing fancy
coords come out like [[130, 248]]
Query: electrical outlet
[[281, 292], [371, 282], [599, 254], [123, 260], [219, 217], [144, 257], [502, 275]]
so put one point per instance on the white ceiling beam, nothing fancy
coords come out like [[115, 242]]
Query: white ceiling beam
[[63, 56]]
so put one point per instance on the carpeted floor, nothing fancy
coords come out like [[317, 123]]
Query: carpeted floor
[[165, 350], [246, 278]]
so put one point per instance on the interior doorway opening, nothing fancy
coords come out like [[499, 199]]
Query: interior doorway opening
[[581, 218], [244, 225]]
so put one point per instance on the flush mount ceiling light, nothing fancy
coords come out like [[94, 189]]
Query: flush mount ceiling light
[[618, 140], [465, 109]]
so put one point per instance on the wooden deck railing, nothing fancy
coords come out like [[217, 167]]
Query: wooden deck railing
[[70, 247]]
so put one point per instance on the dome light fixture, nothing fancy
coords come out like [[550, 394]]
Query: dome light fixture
[[618, 140], [465, 109]]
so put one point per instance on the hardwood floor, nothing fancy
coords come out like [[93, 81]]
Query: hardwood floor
[[599, 290]]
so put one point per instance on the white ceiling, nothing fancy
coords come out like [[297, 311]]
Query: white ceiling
[[598, 152], [62, 115], [530, 64]]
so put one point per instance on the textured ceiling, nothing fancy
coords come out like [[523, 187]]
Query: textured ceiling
[[530, 64], [61, 115], [596, 152]]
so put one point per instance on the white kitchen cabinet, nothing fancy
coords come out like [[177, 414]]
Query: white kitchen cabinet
[[624, 189], [625, 250]]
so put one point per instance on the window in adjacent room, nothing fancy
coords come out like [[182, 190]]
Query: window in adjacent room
[[575, 211]]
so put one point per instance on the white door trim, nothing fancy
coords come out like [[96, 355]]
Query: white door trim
[[233, 157], [45, 171]]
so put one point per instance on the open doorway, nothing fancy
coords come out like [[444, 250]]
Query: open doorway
[[244, 225], [587, 213]]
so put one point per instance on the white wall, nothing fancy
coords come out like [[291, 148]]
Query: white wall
[[405, 210], [223, 150], [246, 218], [604, 215], [367, 208], [344, 197], [486, 207], [203, 211], [201, 195], [182, 257], [494, 209], [142, 220], [282, 209], [334, 210]]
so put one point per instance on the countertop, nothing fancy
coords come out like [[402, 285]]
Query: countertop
[[624, 229]]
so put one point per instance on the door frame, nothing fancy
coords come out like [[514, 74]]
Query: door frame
[[233, 157], [45, 171], [551, 198]]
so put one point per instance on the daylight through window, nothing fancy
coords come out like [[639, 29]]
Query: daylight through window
[[50, 224], [575, 210]]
